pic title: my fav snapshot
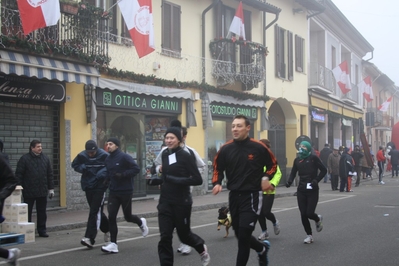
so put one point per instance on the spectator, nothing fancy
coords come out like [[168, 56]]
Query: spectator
[[381, 163], [394, 153], [35, 174], [357, 155], [333, 168], [324, 154], [346, 169], [2, 153]]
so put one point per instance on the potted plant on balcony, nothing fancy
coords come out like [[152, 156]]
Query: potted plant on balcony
[[70, 7]]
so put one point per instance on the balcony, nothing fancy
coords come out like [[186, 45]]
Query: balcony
[[238, 60], [352, 97], [81, 35], [321, 79], [379, 120]]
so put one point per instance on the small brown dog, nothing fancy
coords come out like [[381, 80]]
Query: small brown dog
[[224, 218]]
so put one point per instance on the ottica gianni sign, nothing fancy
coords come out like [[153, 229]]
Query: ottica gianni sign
[[227, 110], [142, 102]]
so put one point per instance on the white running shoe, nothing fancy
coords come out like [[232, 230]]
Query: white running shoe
[[110, 248], [308, 239], [16, 254], [186, 249], [205, 258], [180, 248], [144, 227], [277, 228], [319, 224], [86, 242], [381, 182], [107, 237], [263, 236]]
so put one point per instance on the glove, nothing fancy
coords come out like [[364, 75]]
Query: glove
[[288, 184], [51, 193], [314, 183]]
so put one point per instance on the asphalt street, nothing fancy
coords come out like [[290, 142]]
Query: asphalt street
[[360, 228]]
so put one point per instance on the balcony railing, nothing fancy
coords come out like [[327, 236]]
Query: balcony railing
[[238, 60], [352, 95], [82, 36], [321, 78]]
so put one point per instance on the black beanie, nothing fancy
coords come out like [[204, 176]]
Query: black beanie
[[115, 141], [175, 131], [91, 145]]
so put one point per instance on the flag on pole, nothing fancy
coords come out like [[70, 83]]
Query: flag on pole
[[237, 25], [37, 14], [384, 106], [365, 87], [139, 21], [342, 77]]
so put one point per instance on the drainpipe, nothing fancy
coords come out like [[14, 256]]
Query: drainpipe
[[372, 56], [203, 34]]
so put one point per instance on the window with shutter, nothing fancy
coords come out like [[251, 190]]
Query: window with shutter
[[284, 46], [299, 54], [171, 29], [290, 59]]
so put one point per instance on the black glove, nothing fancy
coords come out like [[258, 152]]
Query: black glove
[[288, 184], [314, 183]]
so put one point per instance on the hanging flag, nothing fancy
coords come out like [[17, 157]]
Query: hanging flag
[[37, 14], [342, 77], [365, 87], [237, 25], [384, 106], [138, 18]]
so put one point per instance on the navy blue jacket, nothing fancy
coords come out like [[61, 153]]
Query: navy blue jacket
[[121, 168], [93, 170]]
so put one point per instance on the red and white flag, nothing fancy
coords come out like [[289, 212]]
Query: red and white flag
[[384, 106], [342, 77], [365, 87], [237, 25], [139, 21], [37, 14]]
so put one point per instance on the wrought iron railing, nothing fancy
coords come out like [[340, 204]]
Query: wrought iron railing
[[80, 36], [353, 94], [238, 60], [320, 76]]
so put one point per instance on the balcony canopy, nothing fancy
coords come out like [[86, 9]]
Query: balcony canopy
[[51, 69], [262, 6]]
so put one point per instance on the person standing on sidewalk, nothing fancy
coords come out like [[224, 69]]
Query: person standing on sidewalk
[[243, 160], [121, 168], [394, 153], [311, 171], [2, 153], [381, 163], [346, 169], [8, 182], [357, 155], [179, 172], [90, 163], [267, 203], [35, 174], [324, 154], [333, 168]]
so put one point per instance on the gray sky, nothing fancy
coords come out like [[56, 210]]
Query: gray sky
[[378, 22]]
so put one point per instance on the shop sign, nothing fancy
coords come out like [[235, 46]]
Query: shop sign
[[229, 111], [318, 117], [31, 89], [142, 102]]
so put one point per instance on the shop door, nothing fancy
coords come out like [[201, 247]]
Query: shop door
[[22, 123], [276, 135]]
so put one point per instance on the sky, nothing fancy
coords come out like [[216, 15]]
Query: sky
[[378, 22]]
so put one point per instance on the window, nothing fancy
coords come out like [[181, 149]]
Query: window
[[299, 54], [171, 29], [284, 53]]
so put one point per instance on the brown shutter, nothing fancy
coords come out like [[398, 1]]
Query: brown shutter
[[290, 56]]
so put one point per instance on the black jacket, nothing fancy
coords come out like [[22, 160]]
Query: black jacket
[[324, 153], [346, 165], [310, 170], [8, 181], [357, 155], [35, 174], [178, 176], [244, 163], [394, 156], [93, 170]]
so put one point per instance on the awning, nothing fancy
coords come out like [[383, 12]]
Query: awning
[[41, 67], [312, 5], [262, 6], [213, 97], [155, 91]]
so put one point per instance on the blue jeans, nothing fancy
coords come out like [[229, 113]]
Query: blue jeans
[[326, 177]]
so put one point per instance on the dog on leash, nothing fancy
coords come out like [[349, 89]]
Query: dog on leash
[[224, 219]]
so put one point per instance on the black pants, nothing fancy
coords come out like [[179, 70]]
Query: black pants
[[245, 209], [334, 182], [171, 216], [41, 205], [114, 202], [394, 169], [381, 170], [344, 181], [307, 203], [358, 170], [97, 219], [266, 213]]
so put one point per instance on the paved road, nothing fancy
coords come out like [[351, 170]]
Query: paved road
[[360, 228]]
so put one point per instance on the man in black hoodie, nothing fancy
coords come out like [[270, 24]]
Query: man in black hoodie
[[121, 168], [324, 153]]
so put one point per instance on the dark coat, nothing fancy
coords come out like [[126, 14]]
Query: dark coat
[[394, 156], [35, 174], [346, 165], [325, 152]]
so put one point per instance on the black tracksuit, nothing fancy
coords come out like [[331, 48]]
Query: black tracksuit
[[174, 208], [308, 188], [243, 162]]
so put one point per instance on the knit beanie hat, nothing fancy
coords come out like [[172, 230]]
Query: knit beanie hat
[[91, 145], [175, 131], [115, 141]]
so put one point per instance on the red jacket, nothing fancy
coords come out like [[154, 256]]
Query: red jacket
[[381, 156]]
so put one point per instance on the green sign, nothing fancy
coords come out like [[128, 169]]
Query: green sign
[[225, 110], [139, 102]]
